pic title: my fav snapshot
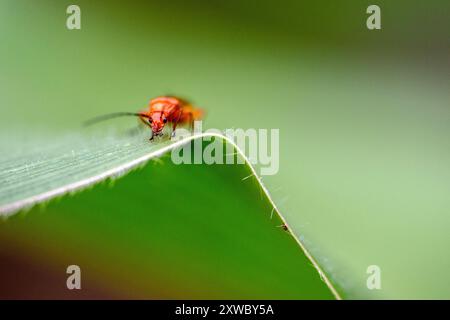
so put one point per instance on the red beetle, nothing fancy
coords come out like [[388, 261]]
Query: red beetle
[[161, 110]]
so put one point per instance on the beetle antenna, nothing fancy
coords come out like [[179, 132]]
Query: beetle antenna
[[112, 116]]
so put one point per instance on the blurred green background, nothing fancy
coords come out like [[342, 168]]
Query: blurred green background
[[363, 115]]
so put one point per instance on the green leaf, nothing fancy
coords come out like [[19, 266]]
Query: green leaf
[[204, 231]]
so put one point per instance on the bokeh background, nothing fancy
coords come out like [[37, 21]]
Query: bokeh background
[[363, 118]]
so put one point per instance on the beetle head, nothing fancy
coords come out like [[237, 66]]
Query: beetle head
[[157, 122]]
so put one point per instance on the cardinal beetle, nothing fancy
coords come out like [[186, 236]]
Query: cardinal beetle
[[161, 110]]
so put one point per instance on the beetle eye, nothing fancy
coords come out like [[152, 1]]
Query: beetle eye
[[150, 120], [164, 120]]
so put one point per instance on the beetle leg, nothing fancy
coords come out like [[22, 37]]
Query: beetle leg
[[191, 121], [173, 129], [143, 119], [175, 123]]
